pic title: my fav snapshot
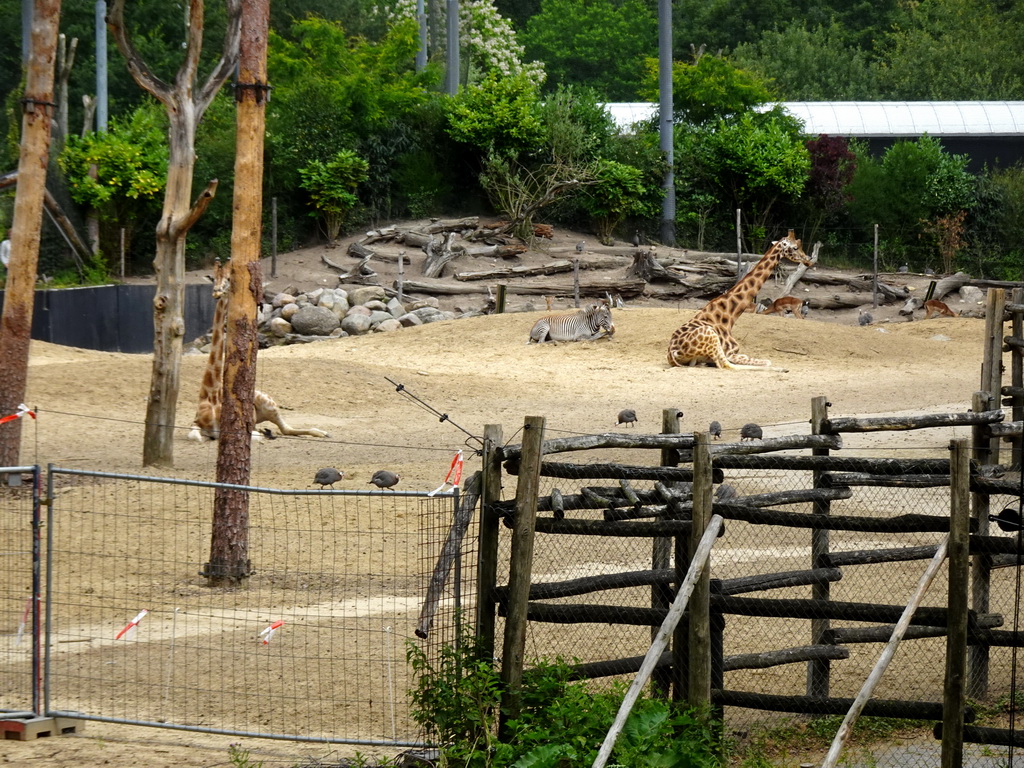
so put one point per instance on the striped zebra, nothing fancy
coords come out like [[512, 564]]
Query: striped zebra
[[583, 325]]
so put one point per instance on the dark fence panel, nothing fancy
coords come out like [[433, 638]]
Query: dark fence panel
[[112, 318]]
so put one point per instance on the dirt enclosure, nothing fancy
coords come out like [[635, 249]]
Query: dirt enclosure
[[480, 371]]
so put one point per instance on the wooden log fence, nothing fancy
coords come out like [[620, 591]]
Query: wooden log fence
[[664, 513]]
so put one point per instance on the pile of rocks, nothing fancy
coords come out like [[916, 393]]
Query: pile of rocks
[[291, 318]]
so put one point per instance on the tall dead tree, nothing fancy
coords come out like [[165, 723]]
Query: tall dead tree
[[19, 298], [185, 104], [229, 547]]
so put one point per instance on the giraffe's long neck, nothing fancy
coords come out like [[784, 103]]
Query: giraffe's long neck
[[213, 377], [726, 308]]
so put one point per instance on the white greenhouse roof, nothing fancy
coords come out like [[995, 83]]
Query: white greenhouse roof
[[881, 119]]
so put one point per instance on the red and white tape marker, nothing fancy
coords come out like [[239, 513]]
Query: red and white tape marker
[[23, 410], [132, 624], [24, 621], [268, 632], [454, 475]]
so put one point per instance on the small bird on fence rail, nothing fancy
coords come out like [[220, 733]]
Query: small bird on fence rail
[[715, 430], [627, 416], [384, 478], [751, 432], [328, 476]]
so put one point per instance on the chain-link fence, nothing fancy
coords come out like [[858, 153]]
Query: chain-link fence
[[311, 647]]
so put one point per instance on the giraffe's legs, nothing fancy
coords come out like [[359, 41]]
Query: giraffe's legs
[[267, 410]]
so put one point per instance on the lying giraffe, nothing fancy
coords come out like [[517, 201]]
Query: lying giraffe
[[206, 425], [707, 338]]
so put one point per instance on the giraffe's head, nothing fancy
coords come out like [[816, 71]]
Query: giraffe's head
[[221, 279], [792, 249]]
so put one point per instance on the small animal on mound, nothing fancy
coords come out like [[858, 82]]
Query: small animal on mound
[[583, 325], [715, 430], [751, 432], [865, 318], [327, 476], [627, 416], [935, 307], [384, 478], [725, 491], [788, 304]]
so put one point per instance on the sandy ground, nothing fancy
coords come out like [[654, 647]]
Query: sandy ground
[[479, 371]]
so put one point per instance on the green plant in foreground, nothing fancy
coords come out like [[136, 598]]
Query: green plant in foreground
[[239, 757], [561, 722]]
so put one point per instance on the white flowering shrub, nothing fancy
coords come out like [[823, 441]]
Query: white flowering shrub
[[487, 41]]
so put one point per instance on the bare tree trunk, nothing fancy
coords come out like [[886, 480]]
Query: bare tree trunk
[[65, 61], [185, 104], [229, 549], [19, 298]]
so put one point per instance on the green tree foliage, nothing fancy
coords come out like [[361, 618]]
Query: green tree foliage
[[752, 162], [573, 39], [334, 92], [995, 224], [500, 115], [809, 64], [120, 173], [954, 49], [709, 89], [332, 186], [915, 183], [827, 194], [619, 192], [729, 23]]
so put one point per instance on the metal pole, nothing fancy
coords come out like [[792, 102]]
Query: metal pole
[[421, 52], [874, 273], [451, 83], [27, 14], [665, 122], [101, 66]]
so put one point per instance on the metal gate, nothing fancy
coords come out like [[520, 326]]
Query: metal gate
[[311, 648]]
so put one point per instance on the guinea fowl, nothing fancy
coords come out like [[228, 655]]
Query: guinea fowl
[[384, 478], [327, 476], [865, 318], [627, 416], [751, 432], [715, 430]]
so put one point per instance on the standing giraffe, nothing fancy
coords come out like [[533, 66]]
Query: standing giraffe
[[707, 338], [206, 425]]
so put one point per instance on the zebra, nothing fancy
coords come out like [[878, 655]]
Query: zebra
[[583, 325]]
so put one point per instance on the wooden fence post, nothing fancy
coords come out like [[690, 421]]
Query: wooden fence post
[[521, 567], [981, 565], [661, 552], [487, 558], [1017, 370], [818, 670], [955, 694], [699, 627]]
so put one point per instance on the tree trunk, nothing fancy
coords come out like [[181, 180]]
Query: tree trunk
[[168, 303], [185, 103], [229, 549], [16, 321]]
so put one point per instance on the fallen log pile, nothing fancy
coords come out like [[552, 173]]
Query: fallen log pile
[[441, 249]]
